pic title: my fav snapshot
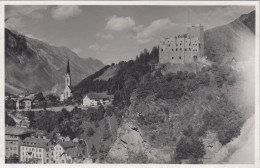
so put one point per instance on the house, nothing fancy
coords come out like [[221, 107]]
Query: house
[[93, 99], [13, 138], [60, 148], [72, 155], [35, 150], [24, 104]]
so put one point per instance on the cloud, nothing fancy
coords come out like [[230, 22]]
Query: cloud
[[95, 47], [76, 50], [157, 27], [14, 23], [15, 15], [22, 10], [105, 36], [120, 23], [63, 12]]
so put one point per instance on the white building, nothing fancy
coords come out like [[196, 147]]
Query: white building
[[33, 150], [67, 90], [92, 99]]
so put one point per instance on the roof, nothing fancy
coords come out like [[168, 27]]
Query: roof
[[73, 152], [35, 142], [67, 144], [17, 131], [103, 95], [68, 68]]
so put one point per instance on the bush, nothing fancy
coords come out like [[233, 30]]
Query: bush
[[188, 148], [90, 132]]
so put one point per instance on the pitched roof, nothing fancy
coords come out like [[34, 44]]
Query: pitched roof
[[73, 152], [35, 142], [68, 68], [17, 131], [67, 144]]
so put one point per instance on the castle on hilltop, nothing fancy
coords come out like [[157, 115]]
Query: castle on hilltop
[[182, 49]]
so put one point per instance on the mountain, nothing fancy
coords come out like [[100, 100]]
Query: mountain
[[227, 38], [177, 116], [35, 65]]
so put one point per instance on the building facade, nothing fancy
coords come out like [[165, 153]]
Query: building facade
[[13, 138], [33, 150], [67, 90], [181, 49], [24, 104]]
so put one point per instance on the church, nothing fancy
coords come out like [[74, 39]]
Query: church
[[67, 90]]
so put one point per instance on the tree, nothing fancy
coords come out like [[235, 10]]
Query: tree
[[93, 153], [189, 148], [13, 159], [90, 132], [9, 120]]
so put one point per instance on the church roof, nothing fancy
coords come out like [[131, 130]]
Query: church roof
[[68, 68]]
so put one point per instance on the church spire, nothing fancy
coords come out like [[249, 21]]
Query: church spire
[[68, 67]]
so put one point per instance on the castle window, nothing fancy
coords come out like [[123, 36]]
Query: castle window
[[176, 49], [180, 44], [180, 49], [161, 49], [172, 57], [185, 49], [199, 45], [176, 45], [179, 57], [189, 44], [169, 45]]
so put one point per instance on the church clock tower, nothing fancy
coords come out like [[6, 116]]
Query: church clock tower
[[67, 90], [68, 76]]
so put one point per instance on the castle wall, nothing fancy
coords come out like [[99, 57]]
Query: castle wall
[[183, 49]]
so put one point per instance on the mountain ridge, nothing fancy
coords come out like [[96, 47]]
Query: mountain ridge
[[36, 65]]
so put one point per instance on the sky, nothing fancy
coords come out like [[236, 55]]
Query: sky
[[113, 33]]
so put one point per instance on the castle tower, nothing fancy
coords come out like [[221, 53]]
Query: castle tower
[[197, 32], [68, 76]]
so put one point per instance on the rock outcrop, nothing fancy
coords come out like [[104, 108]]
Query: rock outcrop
[[130, 141]]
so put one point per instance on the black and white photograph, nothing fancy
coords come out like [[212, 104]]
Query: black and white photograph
[[130, 84]]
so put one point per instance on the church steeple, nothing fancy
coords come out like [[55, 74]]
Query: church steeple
[[68, 67], [68, 76]]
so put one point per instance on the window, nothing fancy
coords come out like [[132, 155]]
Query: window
[[169, 45], [36, 155], [190, 49], [180, 49], [179, 57], [180, 44], [161, 49], [40, 150], [47, 155], [172, 57], [185, 49], [40, 155], [62, 161], [47, 160], [176, 49], [172, 49]]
